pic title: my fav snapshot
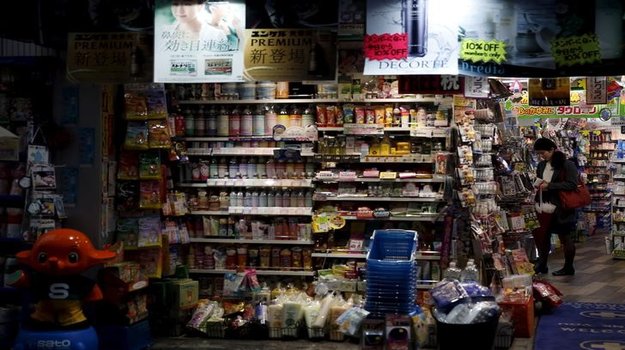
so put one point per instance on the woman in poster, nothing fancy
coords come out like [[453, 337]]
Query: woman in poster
[[192, 22]]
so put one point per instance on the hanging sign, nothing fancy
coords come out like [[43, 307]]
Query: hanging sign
[[483, 51], [477, 87], [109, 57], [549, 91], [198, 41], [576, 50], [431, 84], [405, 37], [290, 54], [596, 90]]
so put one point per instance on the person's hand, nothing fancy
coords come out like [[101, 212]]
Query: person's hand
[[543, 186]]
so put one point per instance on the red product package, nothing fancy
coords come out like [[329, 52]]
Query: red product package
[[547, 293]]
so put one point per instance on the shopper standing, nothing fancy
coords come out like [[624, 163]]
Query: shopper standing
[[555, 173]]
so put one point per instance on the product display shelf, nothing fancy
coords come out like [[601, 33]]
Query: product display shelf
[[440, 179], [260, 101], [333, 255], [301, 273], [429, 217], [381, 199], [241, 151], [617, 234], [284, 183], [250, 241]]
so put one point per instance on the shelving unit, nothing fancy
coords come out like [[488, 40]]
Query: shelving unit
[[598, 152]]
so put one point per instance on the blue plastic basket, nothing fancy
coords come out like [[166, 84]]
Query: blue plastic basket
[[393, 245]]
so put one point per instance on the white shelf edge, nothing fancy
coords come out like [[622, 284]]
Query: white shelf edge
[[248, 241], [259, 101], [249, 151], [209, 212], [382, 199], [258, 272], [250, 183], [340, 255], [431, 217], [365, 179], [616, 160]]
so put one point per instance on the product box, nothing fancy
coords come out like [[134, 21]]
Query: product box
[[398, 332], [184, 293], [522, 314]]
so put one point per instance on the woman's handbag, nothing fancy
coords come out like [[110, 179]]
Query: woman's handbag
[[577, 198]]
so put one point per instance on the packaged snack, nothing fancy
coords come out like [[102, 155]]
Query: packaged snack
[[156, 101], [127, 195], [149, 166], [379, 115], [360, 115], [322, 119], [136, 136], [149, 231], [348, 113], [158, 134], [150, 195], [349, 321], [331, 116], [128, 166], [370, 116], [135, 103]]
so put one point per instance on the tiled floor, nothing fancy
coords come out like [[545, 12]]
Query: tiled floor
[[598, 278]]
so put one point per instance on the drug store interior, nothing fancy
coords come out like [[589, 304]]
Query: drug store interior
[[353, 173]]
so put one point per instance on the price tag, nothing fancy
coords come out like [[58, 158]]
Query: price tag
[[440, 132], [239, 183], [421, 132], [229, 183], [210, 182], [220, 182], [347, 175], [355, 245], [388, 175]]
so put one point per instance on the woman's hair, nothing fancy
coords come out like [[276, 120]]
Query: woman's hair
[[545, 144]]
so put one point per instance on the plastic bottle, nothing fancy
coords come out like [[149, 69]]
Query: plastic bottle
[[261, 169], [243, 168], [278, 199], [452, 272], [308, 117], [283, 117], [262, 199], [271, 169], [271, 199], [258, 122], [233, 169], [270, 120], [213, 169], [189, 123], [251, 168], [255, 200], [240, 199], [211, 121], [200, 122], [223, 122], [308, 201], [233, 198], [247, 199], [247, 122], [234, 126], [470, 273]]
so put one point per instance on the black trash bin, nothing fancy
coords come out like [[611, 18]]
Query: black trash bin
[[479, 336]]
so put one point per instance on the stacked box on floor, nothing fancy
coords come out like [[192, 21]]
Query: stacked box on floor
[[391, 273], [174, 300]]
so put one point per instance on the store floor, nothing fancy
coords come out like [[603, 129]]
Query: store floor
[[598, 278]]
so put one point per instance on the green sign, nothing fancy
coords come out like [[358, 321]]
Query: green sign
[[476, 50], [576, 50]]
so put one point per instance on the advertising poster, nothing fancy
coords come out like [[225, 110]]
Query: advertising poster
[[109, 57], [301, 14], [549, 91], [406, 37], [198, 41], [290, 54], [541, 38]]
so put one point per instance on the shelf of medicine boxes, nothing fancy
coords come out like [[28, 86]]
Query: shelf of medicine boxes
[[242, 151], [411, 99], [304, 273]]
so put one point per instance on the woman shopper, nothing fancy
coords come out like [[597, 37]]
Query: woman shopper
[[555, 173]]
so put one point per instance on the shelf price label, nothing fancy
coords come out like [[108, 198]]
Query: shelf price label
[[388, 175], [421, 132], [363, 129]]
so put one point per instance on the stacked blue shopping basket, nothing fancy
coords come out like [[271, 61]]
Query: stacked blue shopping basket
[[391, 273]]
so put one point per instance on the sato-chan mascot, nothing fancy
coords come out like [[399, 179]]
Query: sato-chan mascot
[[56, 265]]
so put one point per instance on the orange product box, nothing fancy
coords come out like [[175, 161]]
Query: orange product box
[[522, 314]]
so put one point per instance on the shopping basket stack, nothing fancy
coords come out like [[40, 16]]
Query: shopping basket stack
[[391, 273]]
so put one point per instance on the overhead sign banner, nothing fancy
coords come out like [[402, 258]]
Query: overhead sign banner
[[198, 41], [541, 38], [109, 57], [549, 91], [290, 54], [518, 106], [406, 37]]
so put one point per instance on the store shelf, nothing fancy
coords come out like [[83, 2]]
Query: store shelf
[[209, 212], [250, 241], [261, 211], [382, 199], [377, 180], [267, 101], [428, 256], [272, 211], [423, 99], [616, 160], [427, 217], [258, 272], [340, 255], [241, 151], [286, 183]]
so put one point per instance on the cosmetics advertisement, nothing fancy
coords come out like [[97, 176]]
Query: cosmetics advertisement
[[411, 37], [539, 38], [198, 41]]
